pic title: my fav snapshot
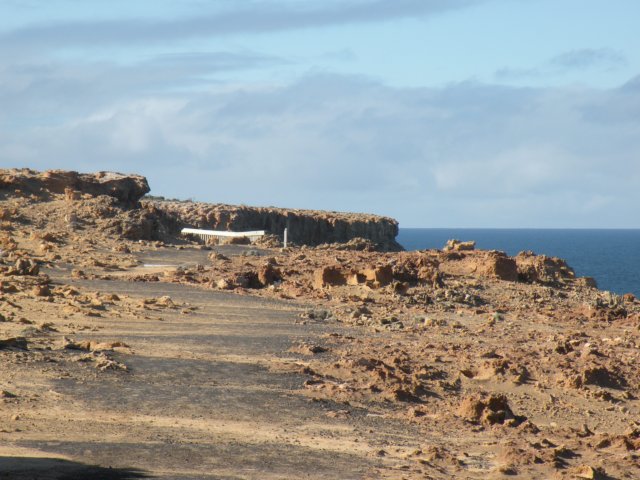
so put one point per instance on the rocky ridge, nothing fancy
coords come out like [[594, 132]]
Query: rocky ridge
[[163, 220], [305, 227]]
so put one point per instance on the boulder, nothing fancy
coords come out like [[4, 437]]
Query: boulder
[[479, 264], [41, 291], [268, 274], [328, 276], [24, 266], [488, 409], [379, 276], [246, 279], [501, 266], [72, 195], [459, 246], [534, 268]]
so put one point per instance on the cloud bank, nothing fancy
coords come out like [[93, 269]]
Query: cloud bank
[[226, 124], [467, 154], [568, 62], [251, 18]]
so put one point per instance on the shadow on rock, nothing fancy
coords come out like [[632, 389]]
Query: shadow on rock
[[32, 468]]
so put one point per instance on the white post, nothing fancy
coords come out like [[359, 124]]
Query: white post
[[285, 237]]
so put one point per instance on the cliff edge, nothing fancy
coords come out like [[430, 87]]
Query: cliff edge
[[118, 199], [305, 227]]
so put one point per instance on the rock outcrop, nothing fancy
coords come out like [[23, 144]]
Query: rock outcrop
[[305, 227], [127, 189], [542, 269], [454, 245], [481, 264]]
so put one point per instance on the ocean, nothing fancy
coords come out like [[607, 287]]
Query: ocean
[[612, 257]]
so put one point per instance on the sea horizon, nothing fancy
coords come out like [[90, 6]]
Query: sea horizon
[[520, 228]]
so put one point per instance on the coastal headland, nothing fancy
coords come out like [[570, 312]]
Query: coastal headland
[[130, 351]]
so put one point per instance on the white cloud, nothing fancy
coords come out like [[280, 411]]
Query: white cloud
[[604, 59], [467, 154], [588, 57]]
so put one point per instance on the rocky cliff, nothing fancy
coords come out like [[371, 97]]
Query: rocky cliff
[[126, 189], [115, 198], [305, 227]]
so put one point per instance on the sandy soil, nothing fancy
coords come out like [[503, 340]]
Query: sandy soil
[[209, 391]]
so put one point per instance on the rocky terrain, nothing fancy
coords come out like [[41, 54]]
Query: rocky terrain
[[126, 189], [452, 363]]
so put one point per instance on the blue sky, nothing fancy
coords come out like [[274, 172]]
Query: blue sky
[[477, 113]]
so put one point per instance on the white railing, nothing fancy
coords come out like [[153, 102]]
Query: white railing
[[209, 234]]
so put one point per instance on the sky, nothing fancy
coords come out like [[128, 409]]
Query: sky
[[439, 113]]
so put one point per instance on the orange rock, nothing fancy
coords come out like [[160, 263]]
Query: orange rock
[[380, 275], [268, 274], [534, 268], [587, 472], [457, 245], [41, 291], [502, 267], [71, 195], [328, 276], [488, 409], [355, 279]]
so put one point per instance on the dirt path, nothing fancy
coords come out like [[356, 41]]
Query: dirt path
[[209, 394]]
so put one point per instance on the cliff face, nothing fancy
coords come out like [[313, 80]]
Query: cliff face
[[305, 227], [127, 189]]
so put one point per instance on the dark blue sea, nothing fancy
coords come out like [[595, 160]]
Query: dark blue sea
[[612, 257]]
